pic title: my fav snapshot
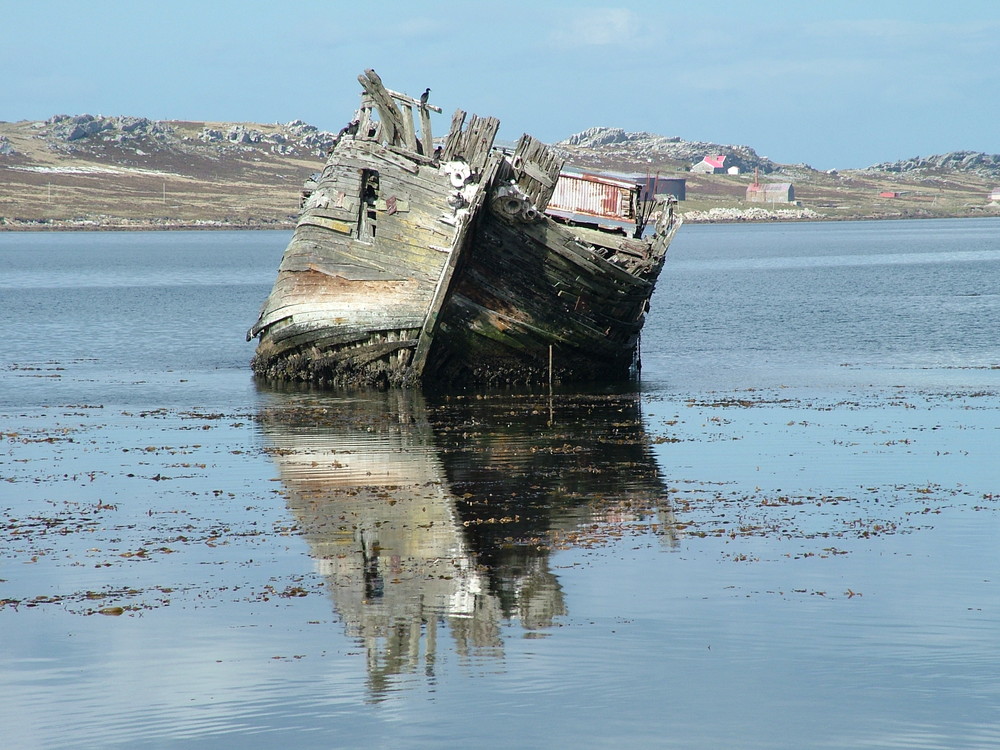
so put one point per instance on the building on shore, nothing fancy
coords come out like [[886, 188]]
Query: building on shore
[[714, 164], [774, 192], [654, 185]]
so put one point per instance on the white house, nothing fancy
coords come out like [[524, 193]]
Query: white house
[[715, 164]]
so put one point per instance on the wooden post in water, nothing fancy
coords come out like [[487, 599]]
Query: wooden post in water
[[552, 415]]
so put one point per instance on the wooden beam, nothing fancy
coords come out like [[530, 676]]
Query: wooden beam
[[392, 120], [441, 292], [404, 99], [536, 170], [426, 137], [364, 120], [409, 136], [453, 142]]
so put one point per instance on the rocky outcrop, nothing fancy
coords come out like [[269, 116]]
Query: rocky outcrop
[[975, 162], [90, 133], [598, 137], [277, 142], [295, 136], [119, 129], [6, 147], [615, 143]]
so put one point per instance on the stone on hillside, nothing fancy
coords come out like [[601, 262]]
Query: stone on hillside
[[116, 129], [596, 137], [976, 162], [211, 135], [243, 134], [298, 127]]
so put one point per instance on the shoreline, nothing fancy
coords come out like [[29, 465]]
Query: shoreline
[[715, 215], [150, 227]]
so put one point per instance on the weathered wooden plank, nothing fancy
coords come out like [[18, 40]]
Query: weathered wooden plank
[[570, 266], [413, 155], [453, 141], [327, 342], [409, 313], [371, 352], [333, 212], [512, 331], [340, 268], [334, 225], [393, 157], [426, 136], [561, 241], [441, 291], [392, 205], [405, 99], [536, 172], [409, 135], [391, 119], [310, 301], [536, 169], [419, 227], [515, 281], [364, 120], [479, 142]]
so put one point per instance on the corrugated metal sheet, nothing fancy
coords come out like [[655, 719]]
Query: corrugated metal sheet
[[593, 195]]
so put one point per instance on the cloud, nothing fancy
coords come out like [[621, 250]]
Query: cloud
[[598, 27]]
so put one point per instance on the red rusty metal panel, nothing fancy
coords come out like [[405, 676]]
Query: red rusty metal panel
[[593, 195]]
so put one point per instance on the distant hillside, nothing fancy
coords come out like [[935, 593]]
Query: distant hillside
[[88, 171], [957, 184], [139, 137], [96, 170], [613, 145], [970, 162]]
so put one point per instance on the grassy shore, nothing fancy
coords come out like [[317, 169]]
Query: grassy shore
[[184, 182]]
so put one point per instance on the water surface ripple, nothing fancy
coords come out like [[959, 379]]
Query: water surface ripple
[[782, 536]]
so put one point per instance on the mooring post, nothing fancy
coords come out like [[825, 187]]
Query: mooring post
[[552, 414]]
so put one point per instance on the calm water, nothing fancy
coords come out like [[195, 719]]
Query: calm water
[[783, 537]]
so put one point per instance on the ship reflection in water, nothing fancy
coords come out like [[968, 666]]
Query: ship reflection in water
[[441, 513]]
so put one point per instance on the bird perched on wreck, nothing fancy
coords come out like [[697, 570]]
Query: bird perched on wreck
[[423, 97]]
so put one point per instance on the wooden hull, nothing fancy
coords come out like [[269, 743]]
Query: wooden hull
[[356, 282], [540, 301], [408, 269]]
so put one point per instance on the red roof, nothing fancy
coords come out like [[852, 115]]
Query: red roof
[[718, 161]]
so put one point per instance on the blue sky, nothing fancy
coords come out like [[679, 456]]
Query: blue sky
[[832, 84]]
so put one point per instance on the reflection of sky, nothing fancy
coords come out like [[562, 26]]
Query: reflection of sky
[[689, 645], [656, 644], [815, 304], [801, 441]]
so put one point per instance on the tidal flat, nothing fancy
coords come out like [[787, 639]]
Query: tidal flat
[[782, 535]]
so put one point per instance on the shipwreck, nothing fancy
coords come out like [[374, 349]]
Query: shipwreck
[[420, 264]]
